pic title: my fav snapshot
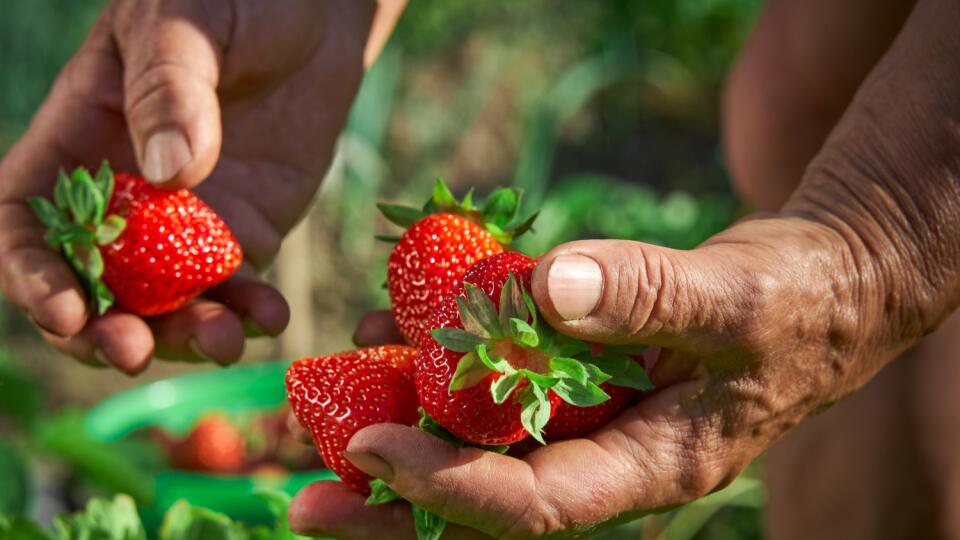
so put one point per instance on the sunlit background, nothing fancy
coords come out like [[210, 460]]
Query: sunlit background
[[605, 113]]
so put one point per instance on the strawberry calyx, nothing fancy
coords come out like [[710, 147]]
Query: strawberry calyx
[[499, 214], [77, 224], [531, 357]]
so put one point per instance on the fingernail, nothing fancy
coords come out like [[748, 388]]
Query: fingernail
[[373, 465], [165, 154], [574, 284]]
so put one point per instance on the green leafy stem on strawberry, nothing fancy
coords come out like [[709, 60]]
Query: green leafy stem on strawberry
[[77, 223], [499, 214], [531, 357]]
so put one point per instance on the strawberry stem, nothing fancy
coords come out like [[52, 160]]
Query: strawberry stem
[[570, 370], [498, 214]]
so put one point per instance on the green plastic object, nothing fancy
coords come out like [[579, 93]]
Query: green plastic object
[[174, 405]]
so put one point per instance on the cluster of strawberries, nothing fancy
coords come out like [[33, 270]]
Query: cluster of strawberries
[[481, 365]]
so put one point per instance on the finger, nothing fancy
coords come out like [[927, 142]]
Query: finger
[[332, 509], [377, 328], [172, 52], [666, 451], [478, 489], [261, 308], [116, 339], [201, 331], [615, 291]]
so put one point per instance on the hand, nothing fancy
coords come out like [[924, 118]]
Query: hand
[[766, 323], [246, 97]]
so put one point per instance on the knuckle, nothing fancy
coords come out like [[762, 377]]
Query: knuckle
[[164, 86], [538, 519], [642, 292]]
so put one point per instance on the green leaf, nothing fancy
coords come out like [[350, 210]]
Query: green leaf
[[623, 370], [69, 234], [21, 528], [456, 339], [102, 296], [567, 346], [539, 379], [498, 233], [496, 363], [186, 522], [467, 204], [482, 309], [512, 304], [403, 216], [61, 192], [521, 227], [387, 238], [595, 375], [428, 525], [531, 307], [501, 206], [523, 333], [104, 181], [470, 371], [443, 198], [380, 493], [469, 320], [503, 386], [569, 367], [65, 437], [88, 203], [17, 489], [535, 412], [46, 212], [278, 502], [110, 230], [580, 394], [428, 425], [103, 520], [90, 263]]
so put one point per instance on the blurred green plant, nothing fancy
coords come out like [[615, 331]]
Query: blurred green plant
[[118, 519]]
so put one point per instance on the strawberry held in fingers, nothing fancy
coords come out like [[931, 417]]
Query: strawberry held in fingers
[[442, 240], [335, 396], [492, 372], [147, 250]]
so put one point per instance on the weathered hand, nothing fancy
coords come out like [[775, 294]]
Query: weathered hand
[[246, 97], [763, 325]]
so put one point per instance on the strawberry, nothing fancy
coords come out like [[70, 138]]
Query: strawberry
[[441, 242], [147, 250], [488, 344], [335, 396], [214, 445]]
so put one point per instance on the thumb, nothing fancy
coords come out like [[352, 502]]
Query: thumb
[[172, 53], [617, 291]]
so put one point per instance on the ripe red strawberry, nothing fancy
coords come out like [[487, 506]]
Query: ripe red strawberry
[[214, 445], [335, 396], [488, 345], [442, 241], [147, 250]]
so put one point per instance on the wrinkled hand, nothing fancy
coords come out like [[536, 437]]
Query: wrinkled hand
[[764, 324], [249, 94]]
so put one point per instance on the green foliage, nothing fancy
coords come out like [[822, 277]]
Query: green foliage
[[117, 519], [17, 490]]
